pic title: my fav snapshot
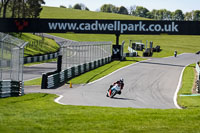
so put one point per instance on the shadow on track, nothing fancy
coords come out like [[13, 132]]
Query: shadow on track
[[123, 98], [162, 64]]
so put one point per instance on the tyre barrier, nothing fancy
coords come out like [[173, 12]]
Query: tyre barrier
[[198, 86], [53, 80], [40, 58], [157, 49], [11, 88], [148, 52]]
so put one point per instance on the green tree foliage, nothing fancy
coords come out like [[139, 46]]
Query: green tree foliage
[[178, 15], [196, 15], [35, 7], [80, 6], [188, 16], [62, 6], [109, 8], [123, 10], [21, 8], [141, 12], [77, 6], [161, 14]]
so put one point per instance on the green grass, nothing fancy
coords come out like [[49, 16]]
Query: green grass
[[47, 46], [187, 86], [66, 13], [37, 81], [38, 113]]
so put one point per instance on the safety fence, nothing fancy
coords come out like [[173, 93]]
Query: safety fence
[[198, 77], [55, 79], [11, 65], [77, 58], [76, 53]]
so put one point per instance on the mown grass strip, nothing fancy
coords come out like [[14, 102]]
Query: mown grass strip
[[186, 89]]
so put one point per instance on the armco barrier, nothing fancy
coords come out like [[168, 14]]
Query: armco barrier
[[198, 71], [11, 88], [55, 79], [40, 58], [198, 78]]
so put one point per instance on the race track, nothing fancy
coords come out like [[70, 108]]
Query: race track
[[148, 84]]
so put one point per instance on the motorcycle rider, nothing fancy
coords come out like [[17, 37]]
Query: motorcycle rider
[[175, 53], [120, 83]]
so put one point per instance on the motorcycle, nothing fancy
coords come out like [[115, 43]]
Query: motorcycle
[[113, 91]]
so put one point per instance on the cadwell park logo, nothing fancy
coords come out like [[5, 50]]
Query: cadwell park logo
[[21, 24]]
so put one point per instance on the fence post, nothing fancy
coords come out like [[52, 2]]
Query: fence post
[[59, 63], [44, 81]]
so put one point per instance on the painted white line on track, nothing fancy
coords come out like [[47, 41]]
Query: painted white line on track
[[116, 71], [177, 90], [32, 78], [176, 56], [57, 99]]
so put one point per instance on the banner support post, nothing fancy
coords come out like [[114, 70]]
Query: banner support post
[[117, 39]]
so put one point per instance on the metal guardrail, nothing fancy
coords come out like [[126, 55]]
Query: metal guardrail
[[40, 58], [198, 70], [11, 88], [56, 79], [198, 78]]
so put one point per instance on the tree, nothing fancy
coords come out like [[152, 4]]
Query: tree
[[155, 14], [62, 6], [109, 8], [132, 10], [35, 7], [123, 10], [77, 6], [164, 14], [21, 8], [5, 5], [188, 16], [141, 12], [80, 6], [1, 6], [178, 15], [196, 15]]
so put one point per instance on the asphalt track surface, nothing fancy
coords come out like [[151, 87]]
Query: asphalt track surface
[[148, 84]]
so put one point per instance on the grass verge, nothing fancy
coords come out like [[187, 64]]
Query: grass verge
[[187, 86], [37, 45]]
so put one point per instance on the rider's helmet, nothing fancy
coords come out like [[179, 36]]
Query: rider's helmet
[[121, 80]]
